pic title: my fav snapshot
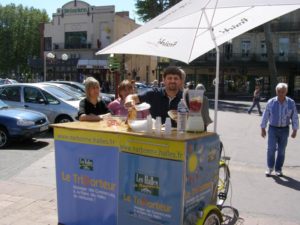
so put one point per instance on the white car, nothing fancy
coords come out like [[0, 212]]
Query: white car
[[57, 104], [81, 88]]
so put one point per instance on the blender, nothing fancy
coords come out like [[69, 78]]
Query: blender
[[194, 101]]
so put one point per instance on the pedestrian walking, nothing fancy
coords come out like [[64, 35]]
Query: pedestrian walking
[[256, 100], [280, 112]]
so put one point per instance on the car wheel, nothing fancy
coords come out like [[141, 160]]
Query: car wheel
[[4, 137], [63, 119]]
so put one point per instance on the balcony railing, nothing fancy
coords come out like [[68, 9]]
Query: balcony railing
[[57, 46], [247, 57], [280, 27]]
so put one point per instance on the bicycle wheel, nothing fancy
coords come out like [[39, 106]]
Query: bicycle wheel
[[212, 219], [223, 184]]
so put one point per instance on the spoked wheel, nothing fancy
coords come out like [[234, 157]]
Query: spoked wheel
[[212, 219], [223, 184], [4, 138]]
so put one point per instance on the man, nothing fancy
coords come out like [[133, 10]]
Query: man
[[161, 99], [280, 112]]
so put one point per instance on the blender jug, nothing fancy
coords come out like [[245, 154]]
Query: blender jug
[[194, 101]]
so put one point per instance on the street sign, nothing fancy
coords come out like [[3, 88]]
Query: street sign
[[114, 63]]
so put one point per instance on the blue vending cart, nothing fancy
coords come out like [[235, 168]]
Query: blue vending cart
[[111, 176]]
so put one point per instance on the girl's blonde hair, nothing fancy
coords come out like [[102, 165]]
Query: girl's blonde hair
[[89, 83]]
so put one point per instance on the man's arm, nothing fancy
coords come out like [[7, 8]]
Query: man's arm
[[295, 121], [90, 117], [264, 120]]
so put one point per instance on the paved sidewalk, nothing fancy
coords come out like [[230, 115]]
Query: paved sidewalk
[[29, 198]]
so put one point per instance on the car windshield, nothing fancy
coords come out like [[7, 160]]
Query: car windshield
[[71, 89], [60, 93], [3, 105], [82, 87]]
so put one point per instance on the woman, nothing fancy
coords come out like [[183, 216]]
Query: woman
[[256, 99], [92, 107], [117, 106]]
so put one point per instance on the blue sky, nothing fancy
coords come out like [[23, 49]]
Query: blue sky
[[51, 5]]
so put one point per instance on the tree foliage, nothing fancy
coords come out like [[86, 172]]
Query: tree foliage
[[148, 9], [19, 37]]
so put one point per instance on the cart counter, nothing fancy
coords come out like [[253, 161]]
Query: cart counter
[[111, 176]]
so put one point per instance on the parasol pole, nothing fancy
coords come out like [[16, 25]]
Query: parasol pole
[[213, 37], [217, 85]]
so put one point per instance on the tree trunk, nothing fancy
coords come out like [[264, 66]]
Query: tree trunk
[[271, 59]]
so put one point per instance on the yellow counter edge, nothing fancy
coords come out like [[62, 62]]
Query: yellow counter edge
[[159, 146]]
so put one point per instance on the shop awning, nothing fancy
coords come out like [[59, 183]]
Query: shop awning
[[92, 64]]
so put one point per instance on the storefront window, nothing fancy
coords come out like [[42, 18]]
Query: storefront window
[[48, 44], [75, 40], [283, 48], [245, 47], [297, 87], [263, 49]]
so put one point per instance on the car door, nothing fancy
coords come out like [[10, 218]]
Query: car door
[[35, 100], [11, 95]]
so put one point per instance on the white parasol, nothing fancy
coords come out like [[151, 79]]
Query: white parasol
[[191, 28]]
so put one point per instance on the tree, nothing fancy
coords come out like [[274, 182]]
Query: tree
[[148, 9], [19, 37], [271, 58]]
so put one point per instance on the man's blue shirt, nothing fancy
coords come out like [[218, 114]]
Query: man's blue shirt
[[280, 114]]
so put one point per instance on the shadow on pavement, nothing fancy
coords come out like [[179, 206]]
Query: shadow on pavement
[[29, 144], [287, 182], [236, 107], [47, 135]]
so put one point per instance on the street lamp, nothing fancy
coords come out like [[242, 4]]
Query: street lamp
[[65, 57], [49, 55]]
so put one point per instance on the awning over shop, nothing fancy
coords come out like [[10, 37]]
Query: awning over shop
[[92, 64]]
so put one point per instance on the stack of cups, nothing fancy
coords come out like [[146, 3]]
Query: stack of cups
[[149, 124], [168, 126], [158, 125]]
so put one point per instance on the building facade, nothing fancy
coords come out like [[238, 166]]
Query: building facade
[[244, 60], [79, 30]]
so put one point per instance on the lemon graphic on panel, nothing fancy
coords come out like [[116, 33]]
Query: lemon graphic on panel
[[192, 162]]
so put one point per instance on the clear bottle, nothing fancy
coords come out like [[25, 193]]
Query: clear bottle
[[182, 114]]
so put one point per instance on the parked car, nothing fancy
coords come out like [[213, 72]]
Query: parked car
[[67, 88], [57, 104], [19, 124], [7, 81], [80, 87], [140, 87]]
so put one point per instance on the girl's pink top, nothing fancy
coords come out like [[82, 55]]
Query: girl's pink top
[[117, 108]]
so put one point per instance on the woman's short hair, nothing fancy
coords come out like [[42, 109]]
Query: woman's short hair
[[281, 86], [89, 83]]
